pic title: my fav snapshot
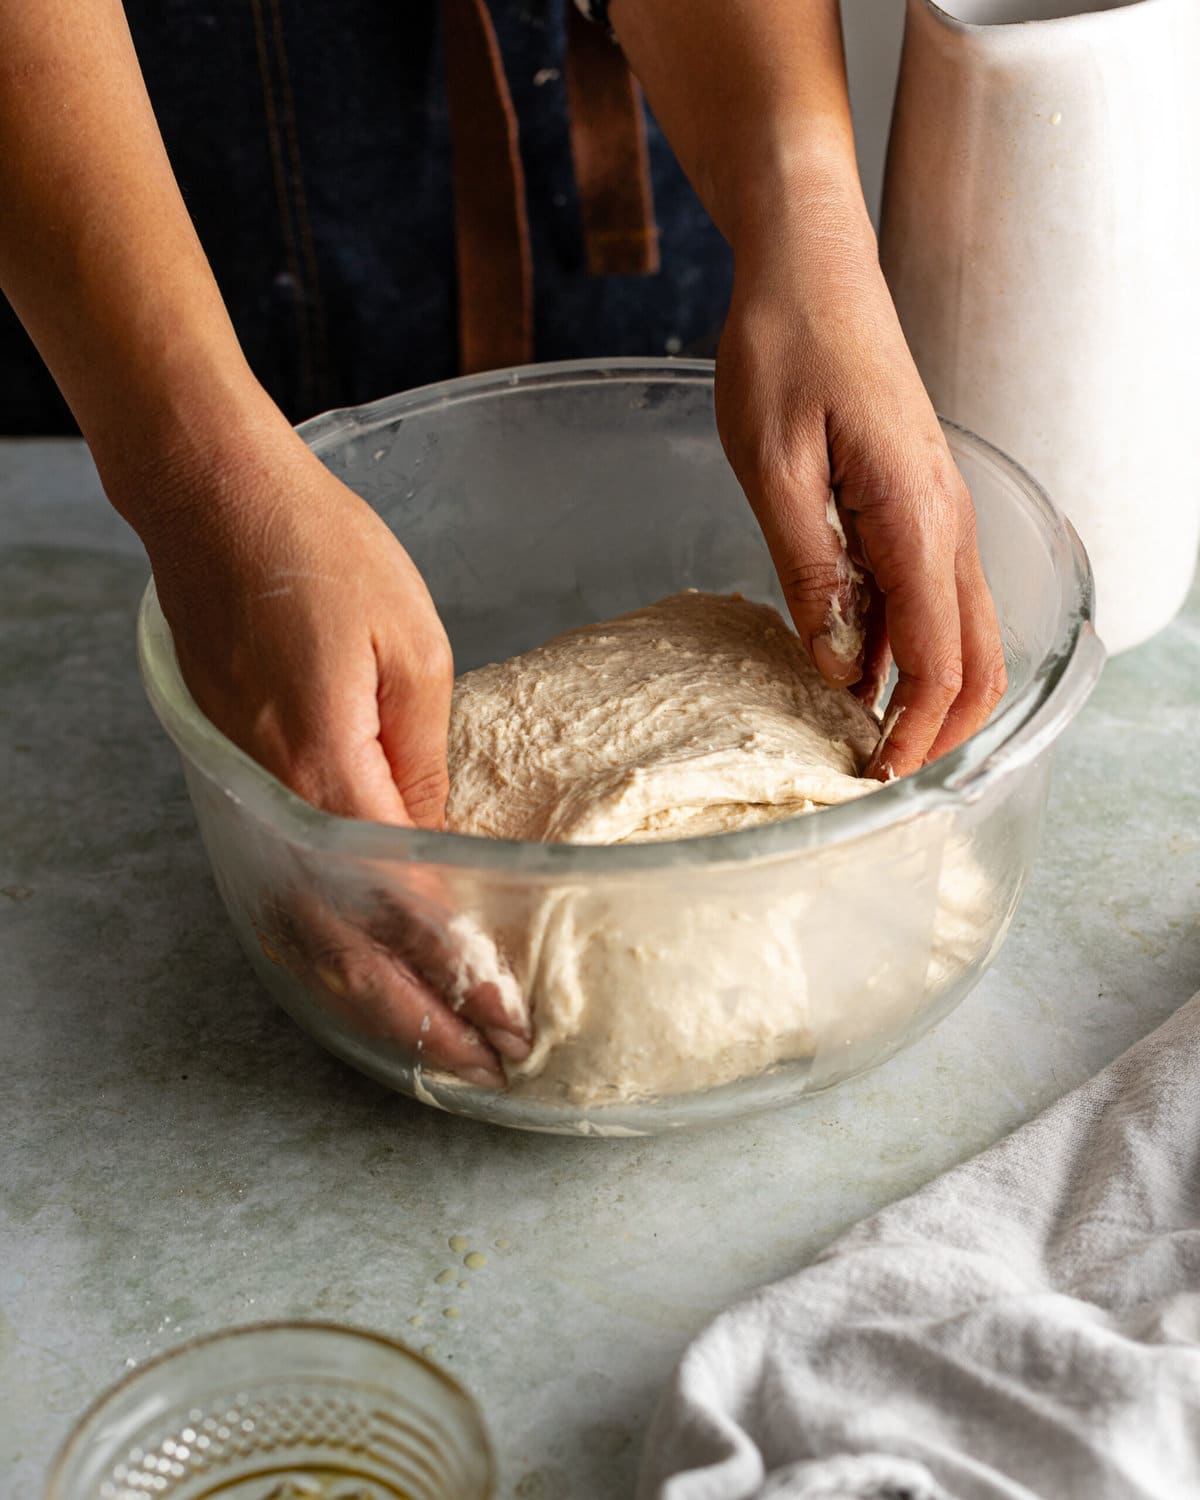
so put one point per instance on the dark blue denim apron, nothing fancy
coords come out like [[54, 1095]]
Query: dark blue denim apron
[[312, 144]]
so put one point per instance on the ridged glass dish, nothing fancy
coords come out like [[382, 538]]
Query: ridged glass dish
[[280, 1411], [538, 499]]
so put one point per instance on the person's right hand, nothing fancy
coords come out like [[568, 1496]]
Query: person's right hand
[[306, 635]]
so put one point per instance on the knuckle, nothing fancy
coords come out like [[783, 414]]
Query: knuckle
[[993, 681], [911, 539], [806, 584], [921, 487], [943, 679], [968, 541], [344, 972], [932, 469], [306, 777], [433, 660], [362, 974], [945, 480], [426, 790], [417, 669], [779, 461], [936, 510], [792, 468]]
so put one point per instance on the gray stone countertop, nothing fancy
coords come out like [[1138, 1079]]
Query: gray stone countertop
[[175, 1155]]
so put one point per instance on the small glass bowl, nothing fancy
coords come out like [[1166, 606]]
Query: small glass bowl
[[280, 1411]]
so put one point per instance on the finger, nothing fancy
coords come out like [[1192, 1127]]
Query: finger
[[418, 930], [459, 961], [373, 988], [822, 587], [985, 676], [877, 651], [350, 781], [416, 682], [386, 998], [327, 748], [914, 555], [383, 963], [385, 766]]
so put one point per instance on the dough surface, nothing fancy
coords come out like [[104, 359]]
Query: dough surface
[[699, 714], [696, 715]]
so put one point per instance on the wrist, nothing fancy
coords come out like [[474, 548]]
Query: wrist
[[187, 445], [805, 209]]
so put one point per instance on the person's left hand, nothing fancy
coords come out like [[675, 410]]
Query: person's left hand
[[818, 396]]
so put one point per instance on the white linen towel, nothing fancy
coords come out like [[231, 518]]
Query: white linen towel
[[1027, 1327]]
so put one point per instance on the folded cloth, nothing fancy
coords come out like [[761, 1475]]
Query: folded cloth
[[1024, 1328]]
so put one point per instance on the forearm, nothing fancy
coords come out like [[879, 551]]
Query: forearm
[[752, 97], [98, 255]]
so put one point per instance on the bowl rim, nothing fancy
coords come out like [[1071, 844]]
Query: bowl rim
[[81, 1427], [1024, 726]]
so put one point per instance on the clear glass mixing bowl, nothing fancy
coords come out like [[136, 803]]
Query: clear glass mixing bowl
[[538, 499]]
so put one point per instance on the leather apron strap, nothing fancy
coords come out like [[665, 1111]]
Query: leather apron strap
[[495, 264], [491, 224], [608, 144]]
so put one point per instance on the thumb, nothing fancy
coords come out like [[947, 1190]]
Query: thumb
[[416, 681], [824, 590]]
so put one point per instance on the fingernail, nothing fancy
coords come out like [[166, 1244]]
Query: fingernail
[[484, 1078], [834, 668], [332, 980], [508, 1043], [269, 952], [877, 767]]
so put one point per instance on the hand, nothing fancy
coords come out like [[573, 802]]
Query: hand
[[306, 635], [817, 395], [403, 969]]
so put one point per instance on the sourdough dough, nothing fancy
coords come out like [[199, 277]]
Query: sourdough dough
[[698, 714]]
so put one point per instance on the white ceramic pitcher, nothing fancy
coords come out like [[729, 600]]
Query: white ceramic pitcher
[[1042, 240]]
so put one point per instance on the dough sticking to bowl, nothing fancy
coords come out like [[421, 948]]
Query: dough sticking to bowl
[[699, 714]]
